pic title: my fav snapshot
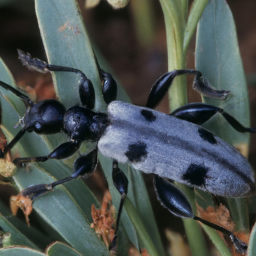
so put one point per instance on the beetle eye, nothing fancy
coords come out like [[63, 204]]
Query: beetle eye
[[37, 127]]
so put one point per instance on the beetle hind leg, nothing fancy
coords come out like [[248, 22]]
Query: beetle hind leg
[[177, 203], [199, 113]]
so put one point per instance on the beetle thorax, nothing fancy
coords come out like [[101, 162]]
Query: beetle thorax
[[83, 124]]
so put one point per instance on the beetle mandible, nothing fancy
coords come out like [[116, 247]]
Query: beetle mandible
[[171, 146]]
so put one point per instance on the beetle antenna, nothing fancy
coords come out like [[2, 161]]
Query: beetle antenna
[[25, 98]]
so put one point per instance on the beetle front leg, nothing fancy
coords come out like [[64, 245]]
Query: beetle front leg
[[63, 151], [18, 136], [121, 184], [199, 113], [109, 87]]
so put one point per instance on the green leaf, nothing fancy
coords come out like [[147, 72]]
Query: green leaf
[[66, 43], [218, 58], [176, 59], [252, 242], [139, 197], [31, 233], [140, 228], [143, 15], [194, 16], [15, 236], [57, 249], [217, 241], [19, 251], [239, 213], [7, 78]]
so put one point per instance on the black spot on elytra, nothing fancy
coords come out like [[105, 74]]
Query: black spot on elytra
[[195, 175], [206, 135], [136, 152], [149, 116]]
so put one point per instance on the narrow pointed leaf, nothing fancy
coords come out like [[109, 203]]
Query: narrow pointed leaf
[[15, 236], [217, 241], [218, 58], [19, 251], [138, 194], [252, 242], [140, 199], [66, 42], [29, 232], [58, 248]]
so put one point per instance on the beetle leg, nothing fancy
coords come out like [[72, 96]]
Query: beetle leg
[[86, 90], [198, 113], [200, 84], [177, 203], [121, 183], [109, 87], [240, 245], [83, 166], [14, 141], [63, 151]]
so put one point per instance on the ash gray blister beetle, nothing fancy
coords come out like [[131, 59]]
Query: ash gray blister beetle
[[171, 146]]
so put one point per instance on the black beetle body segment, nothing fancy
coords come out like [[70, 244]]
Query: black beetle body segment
[[45, 117], [83, 124], [172, 145]]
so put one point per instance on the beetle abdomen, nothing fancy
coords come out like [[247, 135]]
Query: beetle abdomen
[[154, 142]]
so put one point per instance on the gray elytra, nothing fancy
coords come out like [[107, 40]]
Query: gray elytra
[[154, 142]]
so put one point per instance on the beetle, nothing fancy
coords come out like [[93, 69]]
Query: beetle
[[171, 146]]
